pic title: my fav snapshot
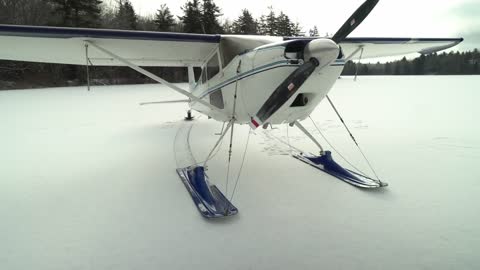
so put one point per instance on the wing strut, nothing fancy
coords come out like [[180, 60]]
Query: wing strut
[[87, 66], [348, 58], [154, 77], [358, 64]]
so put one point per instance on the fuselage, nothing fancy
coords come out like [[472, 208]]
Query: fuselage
[[254, 75]]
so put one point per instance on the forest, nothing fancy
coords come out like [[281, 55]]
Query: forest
[[199, 16], [452, 63]]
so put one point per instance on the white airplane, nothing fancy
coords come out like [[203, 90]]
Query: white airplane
[[255, 80]]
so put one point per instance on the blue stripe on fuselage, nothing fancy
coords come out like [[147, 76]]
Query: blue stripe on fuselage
[[283, 63]]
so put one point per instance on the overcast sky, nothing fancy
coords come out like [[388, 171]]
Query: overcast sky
[[391, 18]]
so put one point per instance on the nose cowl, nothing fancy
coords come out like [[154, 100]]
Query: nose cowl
[[324, 50]]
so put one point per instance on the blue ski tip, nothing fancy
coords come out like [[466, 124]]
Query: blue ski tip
[[210, 201]]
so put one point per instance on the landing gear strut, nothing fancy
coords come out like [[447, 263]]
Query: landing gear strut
[[189, 116], [210, 201], [296, 123]]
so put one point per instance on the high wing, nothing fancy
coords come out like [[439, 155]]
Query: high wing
[[383, 47], [67, 46]]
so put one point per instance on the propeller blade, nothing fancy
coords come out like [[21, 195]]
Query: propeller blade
[[284, 92], [355, 20]]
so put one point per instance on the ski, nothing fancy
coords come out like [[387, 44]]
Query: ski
[[210, 201], [326, 164]]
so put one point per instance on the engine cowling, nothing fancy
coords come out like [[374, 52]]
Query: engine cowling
[[325, 51]]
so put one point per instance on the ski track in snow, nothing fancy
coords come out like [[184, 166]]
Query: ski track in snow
[[457, 146], [182, 150]]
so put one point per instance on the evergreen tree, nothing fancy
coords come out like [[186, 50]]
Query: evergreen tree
[[126, 17], [272, 25], [458, 66], [314, 31], [91, 12], [397, 68], [164, 19], [78, 13], [296, 30], [349, 68], [192, 18], [419, 65], [284, 25], [363, 70], [388, 68], [210, 13], [476, 54], [404, 68], [268, 23], [245, 24], [63, 8]]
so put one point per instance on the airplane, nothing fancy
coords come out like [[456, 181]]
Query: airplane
[[256, 80]]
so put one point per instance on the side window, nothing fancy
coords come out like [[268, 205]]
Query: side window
[[213, 67], [216, 99], [197, 71]]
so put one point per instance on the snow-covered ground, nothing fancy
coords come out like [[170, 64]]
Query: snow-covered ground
[[88, 181]]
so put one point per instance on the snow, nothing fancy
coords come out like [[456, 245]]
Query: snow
[[88, 181]]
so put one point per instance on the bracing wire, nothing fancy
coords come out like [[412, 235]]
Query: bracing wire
[[229, 161], [212, 156], [333, 148], [241, 165], [288, 141], [353, 138], [231, 131]]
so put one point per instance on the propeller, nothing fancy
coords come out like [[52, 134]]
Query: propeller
[[317, 53], [355, 20], [284, 91]]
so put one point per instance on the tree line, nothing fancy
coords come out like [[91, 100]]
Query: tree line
[[452, 63], [198, 16]]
